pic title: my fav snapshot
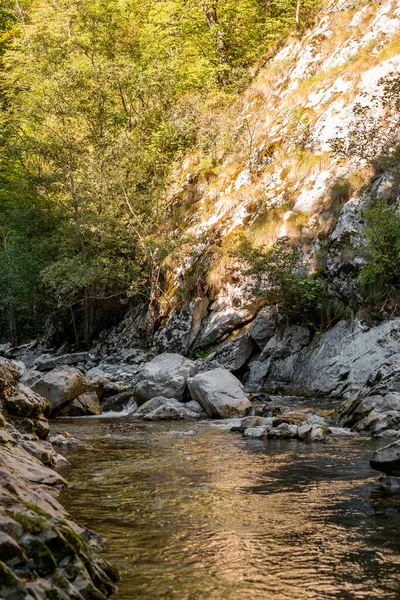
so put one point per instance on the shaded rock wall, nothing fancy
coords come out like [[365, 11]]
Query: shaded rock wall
[[43, 553]]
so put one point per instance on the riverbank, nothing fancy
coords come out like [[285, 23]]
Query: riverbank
[[44, 553]]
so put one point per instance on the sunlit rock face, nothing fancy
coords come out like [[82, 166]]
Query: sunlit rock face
[[166, 375], [286, 177]]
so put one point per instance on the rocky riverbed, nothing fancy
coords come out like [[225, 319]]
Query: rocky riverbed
[[169, 399]]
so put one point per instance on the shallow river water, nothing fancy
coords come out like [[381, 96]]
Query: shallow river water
[[192, 512]]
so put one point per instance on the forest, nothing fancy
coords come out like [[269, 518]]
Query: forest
[[100, 99]]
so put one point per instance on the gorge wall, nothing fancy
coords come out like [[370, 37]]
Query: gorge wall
[[304, 159]]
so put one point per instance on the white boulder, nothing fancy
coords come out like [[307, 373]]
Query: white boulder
[[165, 375], [220, 394]]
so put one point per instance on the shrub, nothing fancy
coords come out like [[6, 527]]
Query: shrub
[[281, 278], [379, 279]]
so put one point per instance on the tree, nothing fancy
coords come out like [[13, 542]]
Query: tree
[[100, 98]]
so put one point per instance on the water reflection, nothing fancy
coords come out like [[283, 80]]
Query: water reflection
[[211, 516]]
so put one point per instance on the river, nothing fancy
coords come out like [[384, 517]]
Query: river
[[190, 511]]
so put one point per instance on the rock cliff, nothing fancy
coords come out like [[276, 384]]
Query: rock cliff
[[301, 154]]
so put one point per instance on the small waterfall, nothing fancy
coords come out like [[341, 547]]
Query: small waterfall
[[127, 410]]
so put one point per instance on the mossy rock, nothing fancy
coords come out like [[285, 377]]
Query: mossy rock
[[31, 522], [73, 538], [10, 585], [6, 389], [41, 557]]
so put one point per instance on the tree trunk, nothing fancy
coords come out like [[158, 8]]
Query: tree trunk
[[210, 11], [13, 325], [298, 7], [87, 317]]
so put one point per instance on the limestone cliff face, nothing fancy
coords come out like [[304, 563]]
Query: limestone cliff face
[[293, 157], [299, 155], [302, 100]]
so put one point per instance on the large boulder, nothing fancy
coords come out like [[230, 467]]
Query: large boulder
[[387, 459], [220, 394], [60, 386], [166, 375]]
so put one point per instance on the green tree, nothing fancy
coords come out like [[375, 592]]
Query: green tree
[[282, 279], [380, 276], [100, 97]]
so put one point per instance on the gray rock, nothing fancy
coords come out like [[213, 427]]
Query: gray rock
[[376, 422], [195, 407], [255, 432], [232, 355], [350, 222], [220, 394], [221, 322], [43, 451], [339, 363], [387, 459], [131, 332], [341, 431], [63, 441], [153, 404], [312, 433], [257, 375], [358, 410], [283, 431], [263, 328], [95, 372], [390, 484], [390, 402], [48, 363], [61, 386], [266, 422], [165, 375], [171, 412], [118, 402], [31, 377], [388, 433], [182, 328]]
